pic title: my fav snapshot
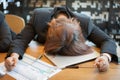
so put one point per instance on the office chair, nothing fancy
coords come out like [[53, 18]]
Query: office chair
[[15, 22]]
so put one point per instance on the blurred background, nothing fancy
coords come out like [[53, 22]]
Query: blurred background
[[104, 13]]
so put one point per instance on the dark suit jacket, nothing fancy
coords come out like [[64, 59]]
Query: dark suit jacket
[[37, 26], [6, 35]]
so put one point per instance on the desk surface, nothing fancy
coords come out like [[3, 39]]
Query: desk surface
[[86, 71]]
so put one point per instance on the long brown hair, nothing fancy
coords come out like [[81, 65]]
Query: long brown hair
[[65, 37]]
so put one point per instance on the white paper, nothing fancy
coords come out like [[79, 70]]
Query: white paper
[[30, 69], [64, 61]]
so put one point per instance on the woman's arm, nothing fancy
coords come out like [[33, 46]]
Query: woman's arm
[[5, 34], [101, 39]]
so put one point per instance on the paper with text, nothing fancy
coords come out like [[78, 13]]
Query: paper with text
[[29, 69]]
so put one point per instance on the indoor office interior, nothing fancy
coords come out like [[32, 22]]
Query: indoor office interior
[[105, 14]]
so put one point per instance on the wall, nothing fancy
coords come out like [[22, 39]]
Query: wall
[[104, 13]]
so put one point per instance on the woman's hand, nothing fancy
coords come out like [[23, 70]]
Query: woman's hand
[[11, 61], [102, 63]]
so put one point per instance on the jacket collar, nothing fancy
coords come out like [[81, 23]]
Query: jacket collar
[[61, 9]]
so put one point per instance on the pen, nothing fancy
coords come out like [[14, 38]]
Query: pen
[[39, 57], [73, 66], [76, 67]]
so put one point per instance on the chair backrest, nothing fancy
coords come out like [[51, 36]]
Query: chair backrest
[[15, 22]]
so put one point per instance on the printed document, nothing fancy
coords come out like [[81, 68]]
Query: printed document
[[31, 69]]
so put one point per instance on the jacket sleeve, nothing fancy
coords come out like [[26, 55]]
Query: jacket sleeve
[[22, 40], [101, 39], [5, 34]]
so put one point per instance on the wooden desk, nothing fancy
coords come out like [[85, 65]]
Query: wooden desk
[[85, 72]]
